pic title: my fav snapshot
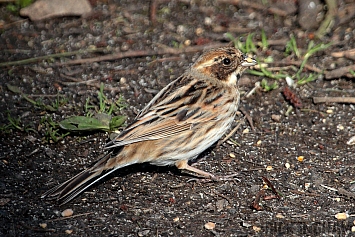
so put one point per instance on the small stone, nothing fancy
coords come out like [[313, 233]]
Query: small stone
[[307, 185], [258, 143], [176, 219], [199, 31], [187, 42], [181, 29], [68, 232], [67, 212], [123, 81], [246, 224], [280, 216], [220, 205], [353, 229], [276, 118], [329, 111], [256, 228], [340, 127], [231, 155], [210, 225], [269, 168], [300, 158], [208, 21], [290, 82], [143, 233], [287, 165], [351, 141], [245, 131], [43, 225], [341, 216]]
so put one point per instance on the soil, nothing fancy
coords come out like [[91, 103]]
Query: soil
[[304, 154]]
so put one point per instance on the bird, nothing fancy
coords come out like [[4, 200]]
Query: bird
[[185, 118]]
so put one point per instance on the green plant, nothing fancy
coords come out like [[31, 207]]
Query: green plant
[[249, 44], [304, 80], [18, 4], [39, 103], [98, 118], [237, 43], [291, 46], [264, 41], [266, 73], [59, 102], [268, 87], [52, 131], [311, 49], [15, 124]]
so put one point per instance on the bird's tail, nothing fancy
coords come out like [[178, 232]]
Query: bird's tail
[[71, 188]]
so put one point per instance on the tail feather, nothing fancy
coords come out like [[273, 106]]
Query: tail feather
[[71, 188]]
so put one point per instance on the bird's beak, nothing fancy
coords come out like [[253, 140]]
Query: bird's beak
[[248, 61]]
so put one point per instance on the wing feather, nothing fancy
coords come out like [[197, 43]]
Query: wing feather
[[172, 111]]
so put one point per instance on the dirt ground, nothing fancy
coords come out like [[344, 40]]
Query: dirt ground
[[304, 154]]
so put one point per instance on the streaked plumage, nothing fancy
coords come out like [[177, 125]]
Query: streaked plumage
[[180, 122]]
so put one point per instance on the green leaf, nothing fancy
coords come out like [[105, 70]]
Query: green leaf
[[117, 122], [82, 123], [14, 89]]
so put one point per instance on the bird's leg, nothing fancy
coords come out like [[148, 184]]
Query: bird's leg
[[183, 165]]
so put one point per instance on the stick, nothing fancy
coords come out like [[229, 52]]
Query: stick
[[69, 217], [347, 100], [343, 71], [140, 53], [57, 55]]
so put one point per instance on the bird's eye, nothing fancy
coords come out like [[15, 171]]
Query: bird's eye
[[226, 61]]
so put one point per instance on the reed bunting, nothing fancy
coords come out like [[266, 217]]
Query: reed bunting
[[185, 118]]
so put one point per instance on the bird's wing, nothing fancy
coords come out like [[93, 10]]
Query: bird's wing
[[175, 109]]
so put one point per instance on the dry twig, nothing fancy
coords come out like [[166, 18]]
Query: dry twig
[[346, 100], [140, 53], [343, 71]]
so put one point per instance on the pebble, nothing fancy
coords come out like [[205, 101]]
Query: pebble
[[340, 127], [341, 216], [208, 21], [300, 158], [329, 111], [351, 141], [276, 117], [123, 81], [199, 31], [256, 228], [67, 212], [187, 42], [307, 185], [143, 233], [279, 215], [210, 225], [43, 225]]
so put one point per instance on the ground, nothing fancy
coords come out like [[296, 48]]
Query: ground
[[305, 154]]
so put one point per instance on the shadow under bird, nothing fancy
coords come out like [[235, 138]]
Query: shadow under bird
[[185, 118]]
